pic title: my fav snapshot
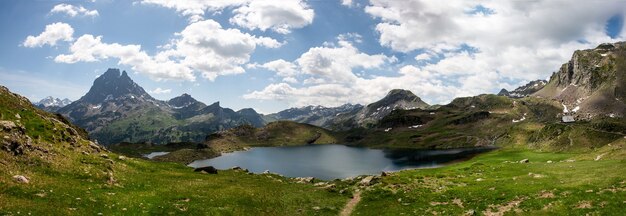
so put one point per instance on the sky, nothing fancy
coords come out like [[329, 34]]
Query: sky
[[275, 54]]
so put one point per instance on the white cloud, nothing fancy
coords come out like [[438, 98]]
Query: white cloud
[[160, 91], [281, 67], [203, 47], [346, 2], [51, 35], [335, 64], [278, 15], [467, 53], [195, 9], [73, 11]]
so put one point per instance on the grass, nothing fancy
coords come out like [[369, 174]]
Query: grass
[[144, 187], [490, 184]]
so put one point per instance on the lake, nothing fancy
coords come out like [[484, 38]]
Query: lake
[[329, 162]]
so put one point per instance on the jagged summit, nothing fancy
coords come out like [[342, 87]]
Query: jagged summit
[[113, 84], [51, 101], [182, 101], [525, 90]]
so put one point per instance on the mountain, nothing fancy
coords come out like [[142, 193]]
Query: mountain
[[116, 109], [51, 104], [372, 113], [525, 90], [592, 84], [315, 115]]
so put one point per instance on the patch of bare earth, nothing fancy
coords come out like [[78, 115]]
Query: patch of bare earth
[[499, 210], [584, 205], [347, 210], [546, 194]]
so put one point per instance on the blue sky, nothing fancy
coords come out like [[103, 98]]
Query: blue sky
[[271, 55]]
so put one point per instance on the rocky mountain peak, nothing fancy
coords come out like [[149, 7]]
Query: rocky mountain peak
[[182, 100], [399, 98], [53, 102], [525, 90], [113, 84]]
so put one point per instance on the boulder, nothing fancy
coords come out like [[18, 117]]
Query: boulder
[[207, 169], [524, 160], [7, 125], [367, 181], [235, 168], [266, 172], [21, 179]]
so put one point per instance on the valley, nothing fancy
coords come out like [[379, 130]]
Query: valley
[[88, 158]]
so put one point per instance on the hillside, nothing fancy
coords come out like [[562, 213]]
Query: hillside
[[47, 167], [116, 109]]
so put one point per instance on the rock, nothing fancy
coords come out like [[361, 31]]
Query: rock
[[320, 184], [385, 173], [367, 181], [7, 125], [235, 168], [21, 179], [121, 157], [549, 161], [266, 172], [304, 179], [207, 169], [570, 160], [18, 116], [316, 208], [104, 155], [524, 160]]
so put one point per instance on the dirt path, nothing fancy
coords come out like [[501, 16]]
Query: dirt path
[[351, 204]]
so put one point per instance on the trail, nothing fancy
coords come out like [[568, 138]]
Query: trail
[[351, 204]]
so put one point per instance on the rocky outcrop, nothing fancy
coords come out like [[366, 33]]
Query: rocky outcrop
[[592, 83]]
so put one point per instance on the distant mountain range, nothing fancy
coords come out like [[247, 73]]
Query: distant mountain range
[[315, 115], [51, 104], [116, 109]]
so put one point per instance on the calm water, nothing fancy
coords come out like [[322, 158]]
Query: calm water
[[334, 161], [154, 154]]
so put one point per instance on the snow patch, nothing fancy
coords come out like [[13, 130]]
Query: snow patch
[[97, 107], [576, 109], [415, 126], [565, 110], [387, 130]]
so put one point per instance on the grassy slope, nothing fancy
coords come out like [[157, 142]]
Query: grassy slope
[[488, 183], [68, 176]]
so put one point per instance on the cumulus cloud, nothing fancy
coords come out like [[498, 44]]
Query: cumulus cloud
[[461, 49], [335, 64], [51, 35], [73, 11], [346, 2], [195, 9], [160, 91], [204, 47], [278, 15]]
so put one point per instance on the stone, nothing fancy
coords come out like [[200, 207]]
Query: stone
[[7, 125], [367, 181], [21, 179], [18, 116], [549, 161], [304, 179], [235, 168], [524, 160], [266, 172], [121, 157], [207, 169], [385, 173], [104, 155]]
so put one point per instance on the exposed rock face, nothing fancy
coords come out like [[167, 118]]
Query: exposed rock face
[[208, 169], [524, 90], [116, 109], [592, 83]]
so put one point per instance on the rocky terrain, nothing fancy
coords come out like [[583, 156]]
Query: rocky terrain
[[116, 109], [591, 84]]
